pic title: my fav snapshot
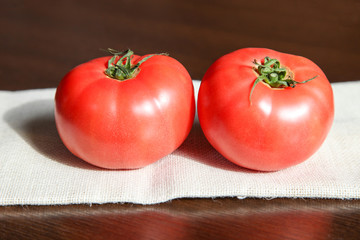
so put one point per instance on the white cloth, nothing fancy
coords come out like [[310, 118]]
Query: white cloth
[[36, 168]]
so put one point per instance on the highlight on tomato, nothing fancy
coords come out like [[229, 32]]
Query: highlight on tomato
[[125, 111], [265, 110]]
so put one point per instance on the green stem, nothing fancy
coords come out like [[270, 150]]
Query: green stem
[[274, 75], [120, 67]]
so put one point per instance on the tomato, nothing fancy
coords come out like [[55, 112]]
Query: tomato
[[263, 127], [125, 111]]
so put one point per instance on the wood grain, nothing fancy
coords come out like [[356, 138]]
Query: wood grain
[[225, 218], [42, 40]]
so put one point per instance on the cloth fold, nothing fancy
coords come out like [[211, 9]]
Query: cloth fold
[[36, 168]]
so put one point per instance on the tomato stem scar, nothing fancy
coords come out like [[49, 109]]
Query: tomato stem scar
[[274, 75], [120, 67]]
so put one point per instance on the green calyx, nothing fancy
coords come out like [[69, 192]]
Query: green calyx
[[274, 75], [120, 67]]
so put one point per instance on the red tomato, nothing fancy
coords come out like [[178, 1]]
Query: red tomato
[[127, 123], [262, 127]]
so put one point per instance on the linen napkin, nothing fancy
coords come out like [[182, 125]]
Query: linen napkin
[[36, 168]]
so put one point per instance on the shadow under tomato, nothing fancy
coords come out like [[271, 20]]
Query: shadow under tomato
[[35, 123], [197, 148]]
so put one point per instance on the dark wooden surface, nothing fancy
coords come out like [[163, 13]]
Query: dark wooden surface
[[41, 40], [282, 219]]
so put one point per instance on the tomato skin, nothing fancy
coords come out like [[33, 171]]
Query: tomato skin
[[125, 124], [280, 127]]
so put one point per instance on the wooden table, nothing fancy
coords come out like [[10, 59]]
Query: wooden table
[[42, 40]]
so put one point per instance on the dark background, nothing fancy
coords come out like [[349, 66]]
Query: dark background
[[42, 40]]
